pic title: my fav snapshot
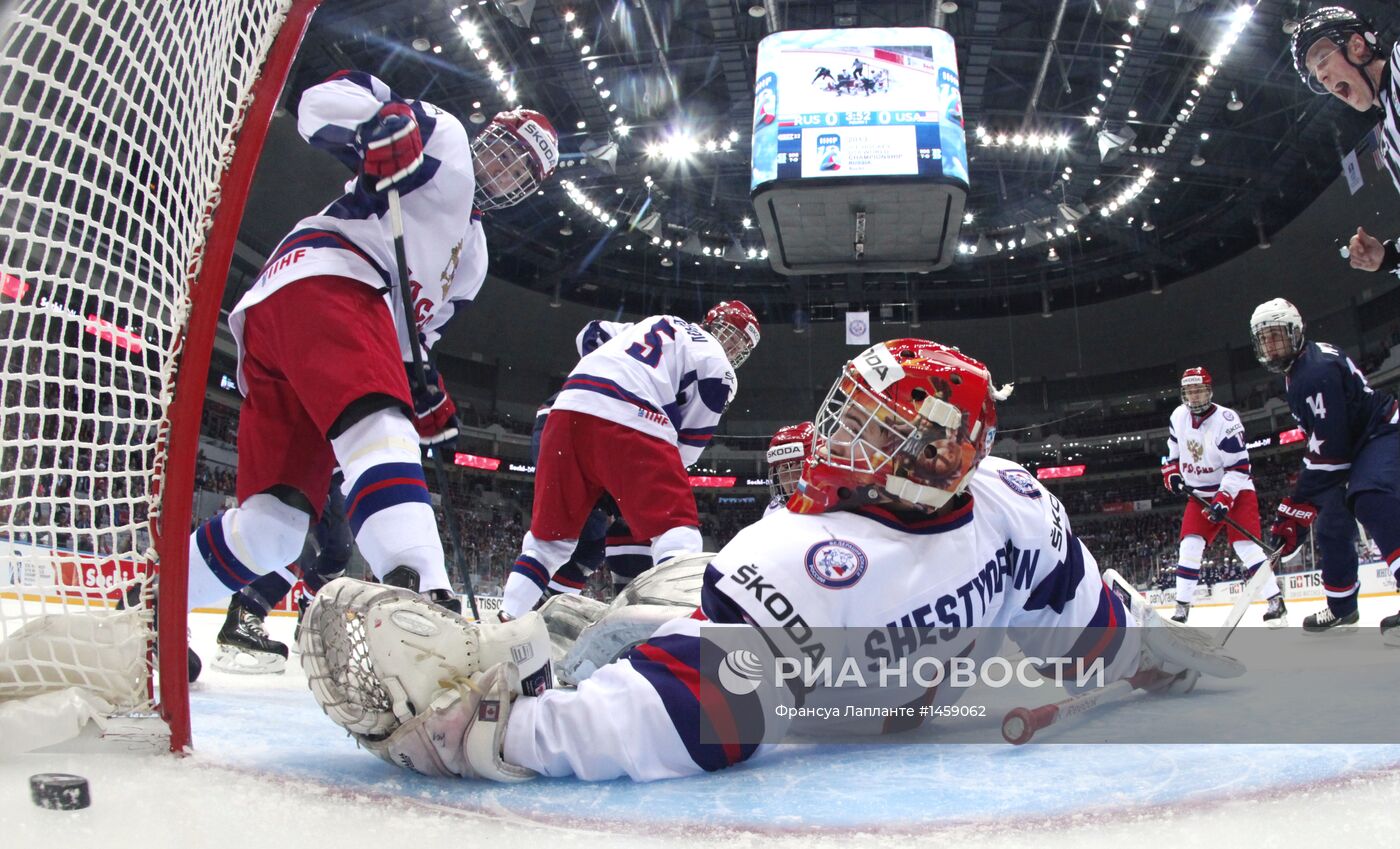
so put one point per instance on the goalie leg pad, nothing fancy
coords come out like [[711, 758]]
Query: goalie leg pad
[[462, 732]]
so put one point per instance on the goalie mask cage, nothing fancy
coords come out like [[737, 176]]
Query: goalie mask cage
[[130, 133]]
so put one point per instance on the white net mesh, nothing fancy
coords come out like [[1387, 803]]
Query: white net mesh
[[117, 122]]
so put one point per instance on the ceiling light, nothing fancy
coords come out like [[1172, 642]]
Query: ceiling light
[[1132, 113], [592, 65], [420, 44], [757, 11], [1197, 159], [597, 80], [569, 16], [577, 32], [534, 39], [1205, 136], [947, 7], [582, 124], [1175, 28], [1235, 104]]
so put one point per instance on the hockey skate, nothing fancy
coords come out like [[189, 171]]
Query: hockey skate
[[244, 646], [1183, 610], [1326, 621], [1390, 630], [1276, 616]]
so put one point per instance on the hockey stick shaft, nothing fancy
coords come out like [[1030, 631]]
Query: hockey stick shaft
[[1265, 572], [420, 385], [1020, 724]]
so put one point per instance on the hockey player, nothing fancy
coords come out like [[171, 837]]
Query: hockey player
[[1351, 471], [322, 343], [911, 518], [1338, 52], [823, 73], [787, 451], [1206, 455], [652, 393]]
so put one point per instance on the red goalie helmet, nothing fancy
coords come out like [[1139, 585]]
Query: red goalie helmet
[[1196, 390], [736, 328], [791, 446], [907, 420], [513, 157]]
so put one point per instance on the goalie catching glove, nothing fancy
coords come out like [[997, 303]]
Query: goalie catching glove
[[418, 686], [1180, 655]]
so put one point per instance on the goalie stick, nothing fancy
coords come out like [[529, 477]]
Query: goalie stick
[[1019, 725], [420, 385]]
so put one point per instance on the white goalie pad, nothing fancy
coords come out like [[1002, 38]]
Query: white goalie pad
[[1172, 647], [462, 732], [565, 616], [657, 596], [377, 656]]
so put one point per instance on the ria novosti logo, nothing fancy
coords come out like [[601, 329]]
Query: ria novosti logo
[[740, 672]]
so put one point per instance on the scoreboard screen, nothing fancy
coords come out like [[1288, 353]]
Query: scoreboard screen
[[858, 103]]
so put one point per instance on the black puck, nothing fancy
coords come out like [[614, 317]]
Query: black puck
[[59, 792]]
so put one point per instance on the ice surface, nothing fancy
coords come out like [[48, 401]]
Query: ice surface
[[270, 770]]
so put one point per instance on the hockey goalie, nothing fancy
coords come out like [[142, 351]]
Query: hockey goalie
[[897, 517]]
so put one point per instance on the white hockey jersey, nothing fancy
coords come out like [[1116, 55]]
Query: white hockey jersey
[[1211, 450], [662, 375], [1007, 558], [351, 238]]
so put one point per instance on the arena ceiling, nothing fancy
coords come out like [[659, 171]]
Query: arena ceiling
[[1234, 152]]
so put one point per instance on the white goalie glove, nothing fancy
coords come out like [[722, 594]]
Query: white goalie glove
[[1180, 653], [655, 597], [417, 685]]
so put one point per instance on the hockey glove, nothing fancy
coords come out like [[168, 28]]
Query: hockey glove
[[1291, 525], [434, 414], [1219, 507], [390, 147], [1172, 479]]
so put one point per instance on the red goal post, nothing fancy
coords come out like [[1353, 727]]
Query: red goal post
[[134, 128]]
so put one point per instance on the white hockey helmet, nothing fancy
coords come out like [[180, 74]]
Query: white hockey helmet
[[1276, 328]]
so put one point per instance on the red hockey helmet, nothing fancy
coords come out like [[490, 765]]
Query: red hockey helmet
[[1196, 389], [513, 157], [790, 447], [908, 420], [736, 328]]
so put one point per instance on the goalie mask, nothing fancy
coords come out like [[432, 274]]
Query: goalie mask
[[735, 326], [907, 420], [1196, 390], [513, 157], [1276, 328], [790, 447]]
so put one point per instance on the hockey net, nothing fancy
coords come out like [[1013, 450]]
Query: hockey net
[[128, 134]]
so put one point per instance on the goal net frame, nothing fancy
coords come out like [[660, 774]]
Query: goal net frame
[[170, 475]]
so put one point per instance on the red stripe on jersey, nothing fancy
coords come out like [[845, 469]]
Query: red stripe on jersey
[[711, 702]]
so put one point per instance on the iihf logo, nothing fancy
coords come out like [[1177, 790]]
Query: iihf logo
[[829, 151]]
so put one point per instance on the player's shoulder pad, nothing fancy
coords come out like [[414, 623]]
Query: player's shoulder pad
[[1009, 496]]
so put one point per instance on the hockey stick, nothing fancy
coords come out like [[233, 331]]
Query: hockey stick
[[1251, 587], [420, 385], [1020, 724]]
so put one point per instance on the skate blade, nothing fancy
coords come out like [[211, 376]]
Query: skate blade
[[1281, 622], [1334, 630], [1391, 637], [242, 662]]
